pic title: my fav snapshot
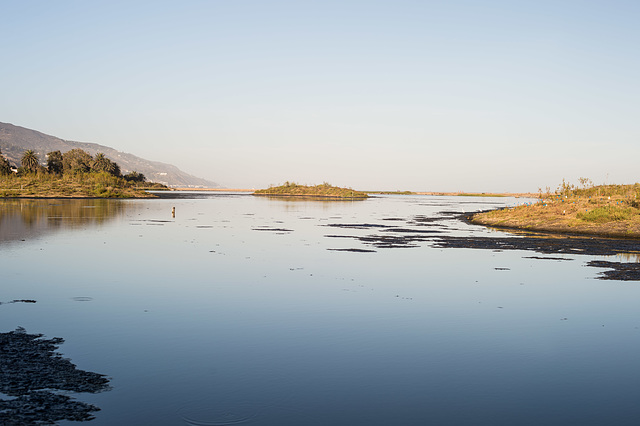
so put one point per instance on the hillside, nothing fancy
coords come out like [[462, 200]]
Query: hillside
[[14, 140]]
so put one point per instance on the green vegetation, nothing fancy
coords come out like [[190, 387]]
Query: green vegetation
[[607, 214], [290, 189], [606, 210], [72, 174], [30, 161], [5, 167], [94, 184]]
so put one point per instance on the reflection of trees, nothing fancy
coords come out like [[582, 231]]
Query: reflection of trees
[[294, 203], [630, 257], [20, 218], [32, 373]]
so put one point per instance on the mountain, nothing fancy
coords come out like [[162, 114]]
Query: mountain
[[14, 140]]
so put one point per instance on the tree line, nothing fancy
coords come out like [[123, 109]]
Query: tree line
[[71, 162]]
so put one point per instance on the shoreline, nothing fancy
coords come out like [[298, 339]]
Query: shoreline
[[482, 194], [579, 216], [213, 189], [566, 230], [435, 193]]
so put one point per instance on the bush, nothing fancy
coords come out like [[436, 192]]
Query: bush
[[607, 214]]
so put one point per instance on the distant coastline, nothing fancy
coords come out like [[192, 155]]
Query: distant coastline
[[214, 189], [447, 194], [483, 194]]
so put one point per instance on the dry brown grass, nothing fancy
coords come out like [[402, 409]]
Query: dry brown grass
[[615, 215]]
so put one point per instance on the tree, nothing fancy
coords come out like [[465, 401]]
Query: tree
[[30, 161], [116, 170], [76, 160], [5, 167], [101, 163], [54, 162], [135, 177]]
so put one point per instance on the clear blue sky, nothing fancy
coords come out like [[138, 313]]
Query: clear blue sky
[[418, 95]]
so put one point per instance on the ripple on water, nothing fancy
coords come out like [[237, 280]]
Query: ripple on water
[[235, 414]]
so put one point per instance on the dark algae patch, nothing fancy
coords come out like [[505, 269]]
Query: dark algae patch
[[18, 301], [353, 250], [617, 270], [356, 225], [37, 380], [271, 229], [411, 231], [547, 258], [547, 245], [392, 236], [412, 235]]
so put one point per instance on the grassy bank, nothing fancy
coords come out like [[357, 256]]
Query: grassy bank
[[93, 184], [325, 190], [605, 210]]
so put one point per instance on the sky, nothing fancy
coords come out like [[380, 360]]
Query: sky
[[473, 96]]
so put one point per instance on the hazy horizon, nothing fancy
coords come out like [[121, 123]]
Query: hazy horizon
[[495, 96]]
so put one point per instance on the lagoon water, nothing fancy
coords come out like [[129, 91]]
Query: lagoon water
[[247, 310]]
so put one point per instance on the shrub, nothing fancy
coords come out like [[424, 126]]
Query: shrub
[[607, 214]]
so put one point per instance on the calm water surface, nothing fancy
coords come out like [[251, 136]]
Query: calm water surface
[[246, 310]]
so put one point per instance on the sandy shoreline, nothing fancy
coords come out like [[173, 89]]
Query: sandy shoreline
[[559, 226]]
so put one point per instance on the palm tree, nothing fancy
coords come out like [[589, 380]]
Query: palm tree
[[30, 161], [134, 177], [101, 163]]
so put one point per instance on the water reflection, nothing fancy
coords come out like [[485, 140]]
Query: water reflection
[[629, 257], [242, 310], [22, 219], [311, 198]]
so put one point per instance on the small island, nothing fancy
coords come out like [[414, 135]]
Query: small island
[[604, 210], [74, 174], [290, 189]]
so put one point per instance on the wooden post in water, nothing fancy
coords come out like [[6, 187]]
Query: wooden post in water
[[173, 212]]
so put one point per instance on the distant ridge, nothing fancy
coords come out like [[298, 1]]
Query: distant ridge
[[14, 140]]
